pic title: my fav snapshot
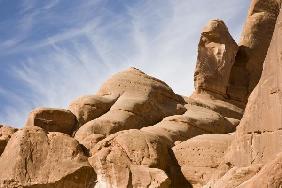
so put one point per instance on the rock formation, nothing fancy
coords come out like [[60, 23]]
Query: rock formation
[[136, 132], [216, 56], [5, 135]]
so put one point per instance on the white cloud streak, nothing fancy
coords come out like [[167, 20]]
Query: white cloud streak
[[160, 37]]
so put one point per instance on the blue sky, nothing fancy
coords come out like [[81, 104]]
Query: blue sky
[[53, 51]]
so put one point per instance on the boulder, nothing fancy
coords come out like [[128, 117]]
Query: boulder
[[216, 56], [52, 120], [34, 158], [141, 101], [5, 135], [113, 157], [253, 46], [89, 107], [200, 156]]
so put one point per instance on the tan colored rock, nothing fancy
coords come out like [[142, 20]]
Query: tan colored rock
[[143, 176], [216, 55], [5, 135], [149, 146], [113, 156], [225, 108], [52, 120], [142, 101], [259, 134], [258, 137], [269, 176], [89, 107], [34, 158], [235, 177], [200, 156], [254, 43]]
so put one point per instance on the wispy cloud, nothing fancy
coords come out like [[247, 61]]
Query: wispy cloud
[[97, 38]]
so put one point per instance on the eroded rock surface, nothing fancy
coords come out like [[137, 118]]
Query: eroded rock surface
[[5, 135], [200, 156], [52, 120], [141, 101], [253, 46], [216, 56], [34, 158], [89, 107]]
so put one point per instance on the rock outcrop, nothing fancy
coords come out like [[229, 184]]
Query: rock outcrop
[[5, 135], [136, 132], [216, 56], [141, 100], [34, 158], [253, 46], [258, 137], [200, 156], [52, 120]]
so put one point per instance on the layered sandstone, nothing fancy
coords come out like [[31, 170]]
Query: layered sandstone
[[136, 132]]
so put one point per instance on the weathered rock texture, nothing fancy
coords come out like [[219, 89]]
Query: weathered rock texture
[[216, 56], [136, 132], [253, 46], [5, 135], [141, 100], [34, 158], [200, 156], [52, 120], [258, 137]]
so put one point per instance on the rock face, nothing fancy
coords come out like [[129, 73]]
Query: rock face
[[216, 56], [258, 137], [141, 101], [253, 46], [34, 158], [5, 135], [263, 113], [200, 156], [52, 120], [89, 107], [136, 132]]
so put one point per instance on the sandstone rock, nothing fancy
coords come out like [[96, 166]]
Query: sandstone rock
[[89, 107], [142, 176], [34, 158], [200, 156], [235, 177], [52, 120], [142, 101], [254, 43], [259, 134], [150, 146], [113, 156], [223, 107], [216, 55], [5, 135], [258, 137], [269, 176]]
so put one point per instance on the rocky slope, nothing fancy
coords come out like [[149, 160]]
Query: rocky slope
[[136, 132]]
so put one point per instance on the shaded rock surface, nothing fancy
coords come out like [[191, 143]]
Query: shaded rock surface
[[52, 120], [33, 158], [253, 46], [5, 135]]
